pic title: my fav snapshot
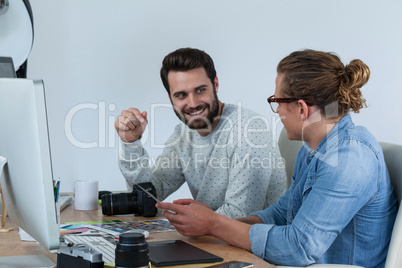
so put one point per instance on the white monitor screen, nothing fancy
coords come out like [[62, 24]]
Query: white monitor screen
[[26, 178]]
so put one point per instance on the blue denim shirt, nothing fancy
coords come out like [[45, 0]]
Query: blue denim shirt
[[339, 209]]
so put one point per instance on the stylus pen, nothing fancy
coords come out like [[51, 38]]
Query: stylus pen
[[148, 193], [151, 195]]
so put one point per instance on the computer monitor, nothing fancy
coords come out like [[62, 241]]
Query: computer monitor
[[26, 178]]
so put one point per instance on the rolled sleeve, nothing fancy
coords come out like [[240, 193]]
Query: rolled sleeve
[[258, 238]]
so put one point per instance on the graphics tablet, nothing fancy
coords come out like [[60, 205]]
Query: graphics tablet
[[177, 252]]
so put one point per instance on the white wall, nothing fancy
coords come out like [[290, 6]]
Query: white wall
[[105, 56]]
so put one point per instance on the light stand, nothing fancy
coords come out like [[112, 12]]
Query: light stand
[[16, 40]]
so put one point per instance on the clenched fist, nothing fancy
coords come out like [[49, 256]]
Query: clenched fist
[[130, 124]]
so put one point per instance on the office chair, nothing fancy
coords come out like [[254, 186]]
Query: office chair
[[288, 150], [393, 159]]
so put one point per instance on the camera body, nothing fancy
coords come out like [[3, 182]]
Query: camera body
[[78, 256], [146, 204], [137, 202]]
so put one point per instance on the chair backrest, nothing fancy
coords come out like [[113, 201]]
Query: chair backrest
[[393, 159], [289, 150]]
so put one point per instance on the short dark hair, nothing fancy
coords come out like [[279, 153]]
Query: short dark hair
[[186, 59]]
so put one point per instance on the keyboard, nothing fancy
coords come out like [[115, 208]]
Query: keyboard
[[97, 243], [64, 201]]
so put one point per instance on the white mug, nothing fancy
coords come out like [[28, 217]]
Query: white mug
[[86, 195]]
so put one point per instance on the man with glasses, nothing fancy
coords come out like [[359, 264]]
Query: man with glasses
[[274, 102], [340, 207], [225, 153]]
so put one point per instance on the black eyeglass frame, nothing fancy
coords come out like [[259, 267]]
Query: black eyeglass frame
[[279, 100]]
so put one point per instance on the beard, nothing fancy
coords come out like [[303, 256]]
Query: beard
[[200, 122]]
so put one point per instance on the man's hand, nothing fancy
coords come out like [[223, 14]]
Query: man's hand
[[189, 220], [130, 124], [188, 201], [196, 219]]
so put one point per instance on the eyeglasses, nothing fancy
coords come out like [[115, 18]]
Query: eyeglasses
[[274, 102]]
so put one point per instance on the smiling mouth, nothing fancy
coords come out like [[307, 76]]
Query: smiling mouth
[[197, 112]]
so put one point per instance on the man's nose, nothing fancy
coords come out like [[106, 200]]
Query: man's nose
[[193, 101]]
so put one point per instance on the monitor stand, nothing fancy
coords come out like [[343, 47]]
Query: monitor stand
[[3, 162]]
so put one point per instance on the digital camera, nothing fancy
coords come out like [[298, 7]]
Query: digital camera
[[137, 202], [78, 256]]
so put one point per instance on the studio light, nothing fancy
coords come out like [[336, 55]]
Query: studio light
[[16, 33]]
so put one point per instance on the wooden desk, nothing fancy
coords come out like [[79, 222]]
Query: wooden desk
[[11, 245]]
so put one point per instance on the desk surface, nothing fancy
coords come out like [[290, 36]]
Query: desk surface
[[11, 245]]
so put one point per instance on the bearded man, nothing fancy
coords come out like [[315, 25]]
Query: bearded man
[[225, 153]]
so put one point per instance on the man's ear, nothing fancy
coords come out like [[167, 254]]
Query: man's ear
[[304, 110], [216, 84]]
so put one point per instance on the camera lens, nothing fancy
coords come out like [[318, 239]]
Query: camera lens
[[136, 202], [132, 251], [120, 203]]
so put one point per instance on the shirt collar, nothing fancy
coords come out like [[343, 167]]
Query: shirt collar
[[344, 123]]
